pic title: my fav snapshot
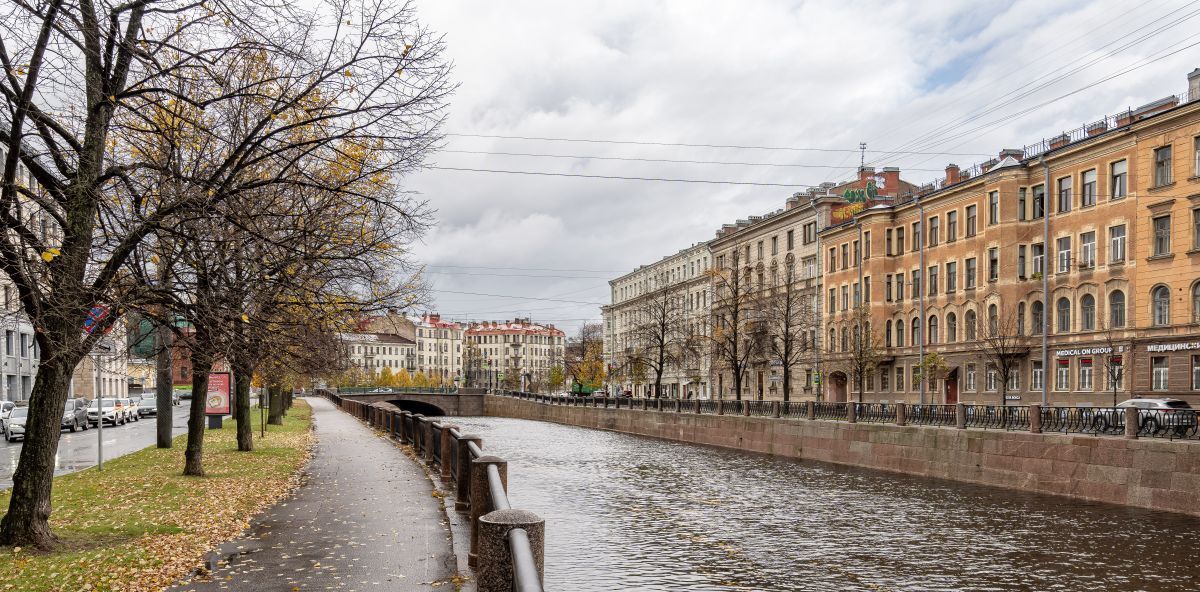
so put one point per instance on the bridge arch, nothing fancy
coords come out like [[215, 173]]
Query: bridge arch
[[426, 409]]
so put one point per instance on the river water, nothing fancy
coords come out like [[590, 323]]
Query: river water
[[630, 513]]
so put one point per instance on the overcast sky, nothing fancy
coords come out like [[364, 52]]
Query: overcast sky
[[766, 73]]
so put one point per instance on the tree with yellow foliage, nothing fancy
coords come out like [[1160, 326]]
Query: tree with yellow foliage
[[421, 380], [404, 379], [385, 378]]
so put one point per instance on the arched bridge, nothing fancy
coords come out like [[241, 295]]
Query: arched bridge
[[431, 402]]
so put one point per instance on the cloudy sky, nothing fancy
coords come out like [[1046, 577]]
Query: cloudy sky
[[941, 81]]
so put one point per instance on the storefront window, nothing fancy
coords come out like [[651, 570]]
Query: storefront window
[[1158, 373], [1062, 375], [1085, 374]]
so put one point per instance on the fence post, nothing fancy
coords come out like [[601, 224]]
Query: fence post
[[480, 497], [447, 449], [720, 406], [812, 409], [495, 571], [775, 410], [678, 406], [852, 412], [462, 481], [1035, 418], [901, 414], [1132, 422], [960, 416]]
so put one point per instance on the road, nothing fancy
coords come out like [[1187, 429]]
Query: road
[[78, 451]]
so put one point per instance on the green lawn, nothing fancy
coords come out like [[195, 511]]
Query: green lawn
[[140, 525]]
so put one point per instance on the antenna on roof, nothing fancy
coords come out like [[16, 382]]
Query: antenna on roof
[[862, 155]]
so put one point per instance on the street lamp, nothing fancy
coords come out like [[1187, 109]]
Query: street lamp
[[96, 351]]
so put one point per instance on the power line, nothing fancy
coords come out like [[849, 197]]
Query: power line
[[620, 178], [664, 160], [685, 145], [519, 297], [528, 268], [519, 275]]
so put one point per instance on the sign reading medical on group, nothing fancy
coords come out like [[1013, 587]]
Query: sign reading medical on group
[[216, 402]]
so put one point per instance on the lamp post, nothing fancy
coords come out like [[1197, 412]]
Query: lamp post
[[99, 405]]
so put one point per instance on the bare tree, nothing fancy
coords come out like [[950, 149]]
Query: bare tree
[[865, 350], [1001, 344], [658, 333], [734, 334], [1112, 360], [791, 321]]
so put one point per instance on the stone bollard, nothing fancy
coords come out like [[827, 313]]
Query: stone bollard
[[462, 481], [1035, 418], [678, 406], [812, 409], [480, 500], [658, 405], [720, 406], [447, 450], [775, 409], [960, 416], [901, 414], [1132, 422], [852, 412], [494, 570], [746, 408], [405, 419]]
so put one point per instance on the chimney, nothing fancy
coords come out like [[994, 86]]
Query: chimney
[[793, 201], [1194, 85], [891, 181], [1016, 153], [865, 173], [952, 174]]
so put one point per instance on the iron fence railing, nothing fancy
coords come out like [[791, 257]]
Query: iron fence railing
[[827, 410], [996, 417], [932, 415], [874, 412]]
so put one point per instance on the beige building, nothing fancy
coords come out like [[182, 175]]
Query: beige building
[[111, 357], [372, 352], [517, 352], [667, 302], [439, 347]]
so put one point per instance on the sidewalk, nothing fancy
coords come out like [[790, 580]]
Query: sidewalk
[[364, 519]]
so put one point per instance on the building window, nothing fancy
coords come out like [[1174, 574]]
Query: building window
[[951, 276], [1039, 201], [1037, 316], [993, 264], [916, 283], [887, 288], [887, 333], [1062, 375], [845, 298], [899, 287], [1063, 313], [951, 225], [916, 331], [1158, 373], [1161, 306], [935, 231], [971, 220], [1116, 373], [1014, 379], [857, 254], [775, 245], [1020, 318], [867, 244], [1162, 166], [990, 378], [760, 250], [916, 236], [1196, 155], [1162, 235], [1064, 195], [1021, 261], [994, 207], [971, 268], [993, 320], [1196, 302], [1116, 309], [1064, 254], [1039, 259], [933, 330], [887, 242], [951, 327], [1087, 196], [900, 240], [899, 378], [899, 343], [883, 380], [1116, 244], [970, 382], [933, 280], [1085, 374], [1119, 179], [1196, 228], [1087, 249], [971, 321], [1087, 313], [810, 232], [1196, 373], [1036, 376], [1021, 198]]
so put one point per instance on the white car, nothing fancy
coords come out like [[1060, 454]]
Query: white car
[[1154, 415], [14, 426]]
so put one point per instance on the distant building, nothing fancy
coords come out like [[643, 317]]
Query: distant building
[[372, 352], [512, 351], [439, 347]]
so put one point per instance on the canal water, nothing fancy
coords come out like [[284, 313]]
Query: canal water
[[628, 513]]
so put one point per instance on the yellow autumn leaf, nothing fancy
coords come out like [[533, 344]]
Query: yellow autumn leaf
[[49, 254], [245, 318]]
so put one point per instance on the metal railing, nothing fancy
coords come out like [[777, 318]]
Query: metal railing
[[875, 412], [405, 390], [507, 545], [996, 417], [827, 410]]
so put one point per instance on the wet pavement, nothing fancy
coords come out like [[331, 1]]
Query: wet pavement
[[364, 519], [77, 451]]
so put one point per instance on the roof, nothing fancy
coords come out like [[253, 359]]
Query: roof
[[381, 338], [513, 328]]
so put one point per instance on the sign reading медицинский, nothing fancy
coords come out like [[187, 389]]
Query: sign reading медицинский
[[216, 401], [1168, 347]]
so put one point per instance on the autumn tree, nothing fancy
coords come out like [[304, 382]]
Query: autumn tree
[[734, 335], [584, 356], [791, 324], [865, 350], [1001, 344]]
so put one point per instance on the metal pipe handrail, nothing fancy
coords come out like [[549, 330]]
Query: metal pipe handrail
[[476, 451], [525, 571], [499, 497]]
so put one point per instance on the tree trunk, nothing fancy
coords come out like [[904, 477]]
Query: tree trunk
[[242, 374], [193, 463], [27, 520], [737, 386], [787, 383], [164, 385], [275, 413]]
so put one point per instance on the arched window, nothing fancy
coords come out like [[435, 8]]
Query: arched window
[[993, 320], [933, 329], [1063, 312], [951, 327], [887, 333], [1161, 303], [899, 333], [857, 337], [1087, 313], [970, 320], [832, 340], [1037, 317], [1116, 309], [1196, 302], [1020, 318], [845, 339], [916, 331]]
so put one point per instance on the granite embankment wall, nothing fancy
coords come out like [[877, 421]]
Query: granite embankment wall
[[1149, 473]]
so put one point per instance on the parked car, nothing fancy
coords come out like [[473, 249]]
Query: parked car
[[131, 409], [15, 426], [147, 407], [6, 407], [112, 415], [75, 415], [1154, 415], [380, 390], [183, 394]]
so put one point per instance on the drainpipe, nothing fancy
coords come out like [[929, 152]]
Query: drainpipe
[[819, 390], [1045, 283], [862, 300], [924, 288]]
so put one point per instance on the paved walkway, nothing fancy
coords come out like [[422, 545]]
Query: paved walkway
[[364, 520]]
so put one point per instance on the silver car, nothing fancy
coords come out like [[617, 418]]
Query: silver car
[[1154, 416], [6, 407], [14, 427], [75, 415]]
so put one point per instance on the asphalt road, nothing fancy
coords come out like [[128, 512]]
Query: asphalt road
[[78, 451]]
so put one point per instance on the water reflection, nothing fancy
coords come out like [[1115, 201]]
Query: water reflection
[[630, 513]]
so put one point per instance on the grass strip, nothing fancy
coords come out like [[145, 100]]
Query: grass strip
[[141, 525]]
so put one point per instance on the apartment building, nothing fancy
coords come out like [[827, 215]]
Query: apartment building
[[518, 351], [439, 347], [372, 352], [778, 257], [1080, 253], [663, 305]]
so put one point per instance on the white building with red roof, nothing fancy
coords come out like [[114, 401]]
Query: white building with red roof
[[439, 347], [513, 350]]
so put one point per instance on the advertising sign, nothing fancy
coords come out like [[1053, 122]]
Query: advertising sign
[[216, 402]]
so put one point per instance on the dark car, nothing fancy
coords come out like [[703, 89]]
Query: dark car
[[147, 407], [75, 415]]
